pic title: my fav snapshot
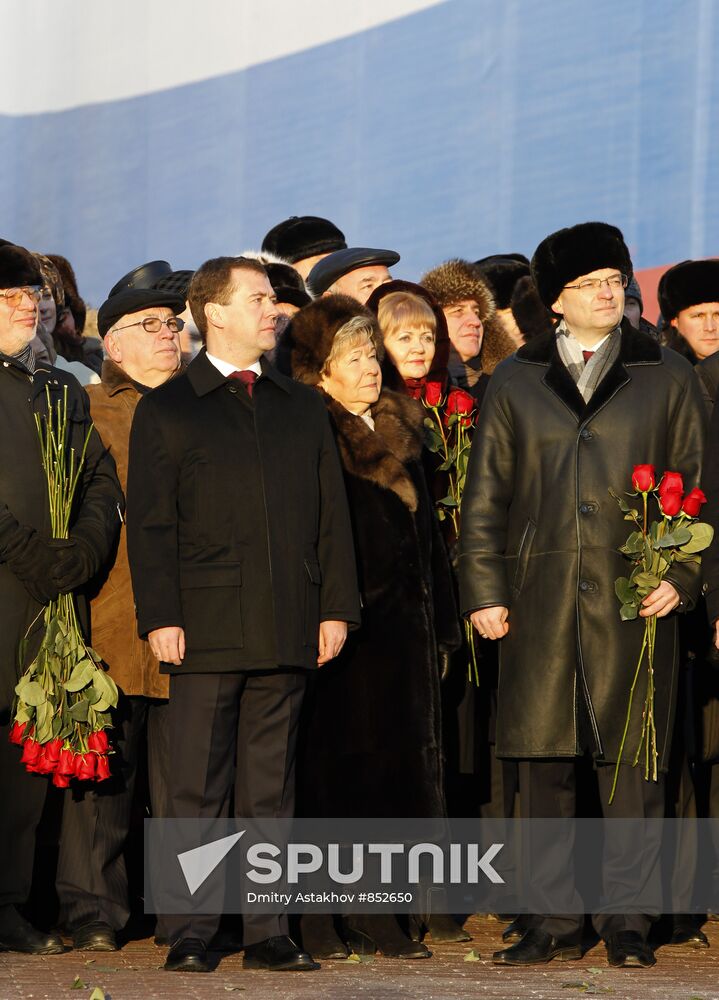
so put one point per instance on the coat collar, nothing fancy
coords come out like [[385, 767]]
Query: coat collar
[[205, 378], [635, 349], [381, 456], [114, 379]]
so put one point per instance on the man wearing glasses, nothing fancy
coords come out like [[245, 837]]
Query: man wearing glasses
[[141, 335], [34, 568], [564, 420]]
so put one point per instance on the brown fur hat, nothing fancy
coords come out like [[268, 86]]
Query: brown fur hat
[[312, 330], [457, 280]]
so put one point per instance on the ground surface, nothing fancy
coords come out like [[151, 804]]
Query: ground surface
[[136, 973]]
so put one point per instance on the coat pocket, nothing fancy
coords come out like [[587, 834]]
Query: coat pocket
[[212, 605], [525, 547], [313, 582]]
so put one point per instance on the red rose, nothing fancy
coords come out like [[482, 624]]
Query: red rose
[[671, 503], [98, 741], [693, 503], [643, 478], [433, 393], [52, 750], [85, 764], [672, 482], [459, 401], [61, 780], [30, 752], [44, 763], [66, 763], [17, 732], [103, 768]]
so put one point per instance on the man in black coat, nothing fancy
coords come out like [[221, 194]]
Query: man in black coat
[[564, 420], [34, 569], [243, 570]]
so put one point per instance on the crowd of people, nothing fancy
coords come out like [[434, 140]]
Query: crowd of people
[[265, 493]]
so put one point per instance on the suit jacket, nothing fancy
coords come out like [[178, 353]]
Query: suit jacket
[[238, 526]]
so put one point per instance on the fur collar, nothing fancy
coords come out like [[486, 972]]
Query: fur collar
[[381, 456], [635, 349]]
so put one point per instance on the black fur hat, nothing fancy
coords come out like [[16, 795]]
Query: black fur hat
[[312, 330], [502, 272], [18, 267], [287, 284], [688, 284], [303, 236], [565, 255]]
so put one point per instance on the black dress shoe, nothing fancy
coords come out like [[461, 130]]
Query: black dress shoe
[[320, 938], [278, 954], [537, 947], [95, 936], [441, 927], [516, 930], [22, 936], [187, 955], [687, 931], [628, 949], [371, 932]]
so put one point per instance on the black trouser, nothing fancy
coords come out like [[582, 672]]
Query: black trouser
[[547, 789], [227, 728], [22, 797], [91, 873]]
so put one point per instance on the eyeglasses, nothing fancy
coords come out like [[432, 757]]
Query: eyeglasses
[[153, 324], [614, 281], [14, 296]]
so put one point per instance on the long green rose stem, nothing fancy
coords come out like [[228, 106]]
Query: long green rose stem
[[629, 713]]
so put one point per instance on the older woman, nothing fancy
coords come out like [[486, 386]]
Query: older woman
[[373, 736]]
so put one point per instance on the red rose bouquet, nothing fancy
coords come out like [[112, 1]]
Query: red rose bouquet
[[449, 433], [653, 548], [63, 699]]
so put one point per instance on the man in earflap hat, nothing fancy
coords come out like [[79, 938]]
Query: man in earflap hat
[[479, 341], [564, 420], [35, 567], [689, 303]]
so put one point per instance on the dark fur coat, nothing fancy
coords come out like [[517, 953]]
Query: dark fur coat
[[372, 737]]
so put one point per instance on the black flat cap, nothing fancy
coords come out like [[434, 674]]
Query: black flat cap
[[688, 284], [329, 269], [144, 276], [303, 236], [130, 300]]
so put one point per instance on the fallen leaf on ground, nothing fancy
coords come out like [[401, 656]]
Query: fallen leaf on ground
[[473, 956], [98, 994], [78, 984]]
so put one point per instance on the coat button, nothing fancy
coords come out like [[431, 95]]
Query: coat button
[[587, 586], [585, 434], [587, 507]]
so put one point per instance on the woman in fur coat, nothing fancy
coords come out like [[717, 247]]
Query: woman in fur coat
[[372, 742]]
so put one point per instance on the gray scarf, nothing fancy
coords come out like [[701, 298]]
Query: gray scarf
[[587, 375], [26, 358]]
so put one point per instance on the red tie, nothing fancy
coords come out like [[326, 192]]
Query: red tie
[[248, 379], [587, 356]]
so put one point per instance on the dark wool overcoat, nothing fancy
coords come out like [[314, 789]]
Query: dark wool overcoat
[[372, 746], [540, 535], [238, 527], [24, 498]]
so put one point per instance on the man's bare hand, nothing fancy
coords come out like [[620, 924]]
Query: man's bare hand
[[168, 644], [661, 601], [332, 639], [491, 623], [716, 633]]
